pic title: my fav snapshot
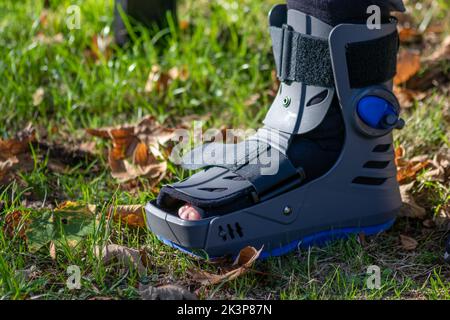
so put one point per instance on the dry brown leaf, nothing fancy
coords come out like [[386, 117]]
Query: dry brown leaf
[[408, 169], [136, 150], [52, 250], [43, 39], [243, 262], [408, 243], [442, 53], [131, 215], [410, 208], [38, 96], [184, 24], [409, 34], [176, 73], [441, 166], [273, 90], [158, 81], [15, 154], [167, 292], [429, 223], [141, 155], [442, 218], [16, 224], [407, 97], [253, 99], [186, 122], [130, 257], [408, 65], [100, 48]]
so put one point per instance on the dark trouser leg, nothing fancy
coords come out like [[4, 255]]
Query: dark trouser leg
[[148, 12], [335, 12]]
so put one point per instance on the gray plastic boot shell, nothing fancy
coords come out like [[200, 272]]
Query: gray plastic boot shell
[[351, 194]]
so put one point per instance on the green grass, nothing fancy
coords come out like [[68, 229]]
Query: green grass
[[228, 54]]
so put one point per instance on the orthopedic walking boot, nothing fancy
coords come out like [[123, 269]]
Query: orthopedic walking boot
[[322, 166]]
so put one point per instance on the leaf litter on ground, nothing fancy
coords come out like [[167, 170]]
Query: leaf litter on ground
[[243, 262], [136, 149]]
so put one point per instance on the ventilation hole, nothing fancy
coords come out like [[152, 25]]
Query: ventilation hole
[[376, 164], [222, 234], [230, 231], [239, 230], [317, 98], [381, 148], [369, 181], [213, 189], [235, 178]]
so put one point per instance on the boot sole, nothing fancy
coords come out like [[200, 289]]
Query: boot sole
[[317, 239]]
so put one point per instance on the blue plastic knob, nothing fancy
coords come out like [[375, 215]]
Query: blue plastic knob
[[377, 113]]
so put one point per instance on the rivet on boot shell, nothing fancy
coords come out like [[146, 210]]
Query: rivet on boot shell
[[287, 211], [286, 102]]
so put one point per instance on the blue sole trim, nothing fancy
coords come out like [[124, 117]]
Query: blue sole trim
[[317, 239]]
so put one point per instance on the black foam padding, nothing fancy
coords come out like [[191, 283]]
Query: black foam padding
[[372, 62]]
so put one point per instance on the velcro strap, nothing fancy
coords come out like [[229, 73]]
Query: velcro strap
[[265, 176], [304, 58], [374, 61], [301, 58]]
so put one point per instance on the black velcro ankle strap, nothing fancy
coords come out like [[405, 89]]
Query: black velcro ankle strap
[[301, 58], [304, 58]]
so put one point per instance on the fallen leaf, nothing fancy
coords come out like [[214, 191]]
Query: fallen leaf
[[158, 81], [429, 223], [408, 65], [16, 224], [136, 150], [131, 215], [409, 35], [273, 90], [52, 250], [184, 24], [29, 274], [38, 96], [410, 208], [406, 97], [18, 144], [408, 169], [100, 48], [252, 100], [130, 257], [187, 122], [70, 152], [15, 154], [167, 292], [442, 218], [43, 39], [408, 243], [442, 53], [176, 73], [67, 224], [243, 262], [435, 74]]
